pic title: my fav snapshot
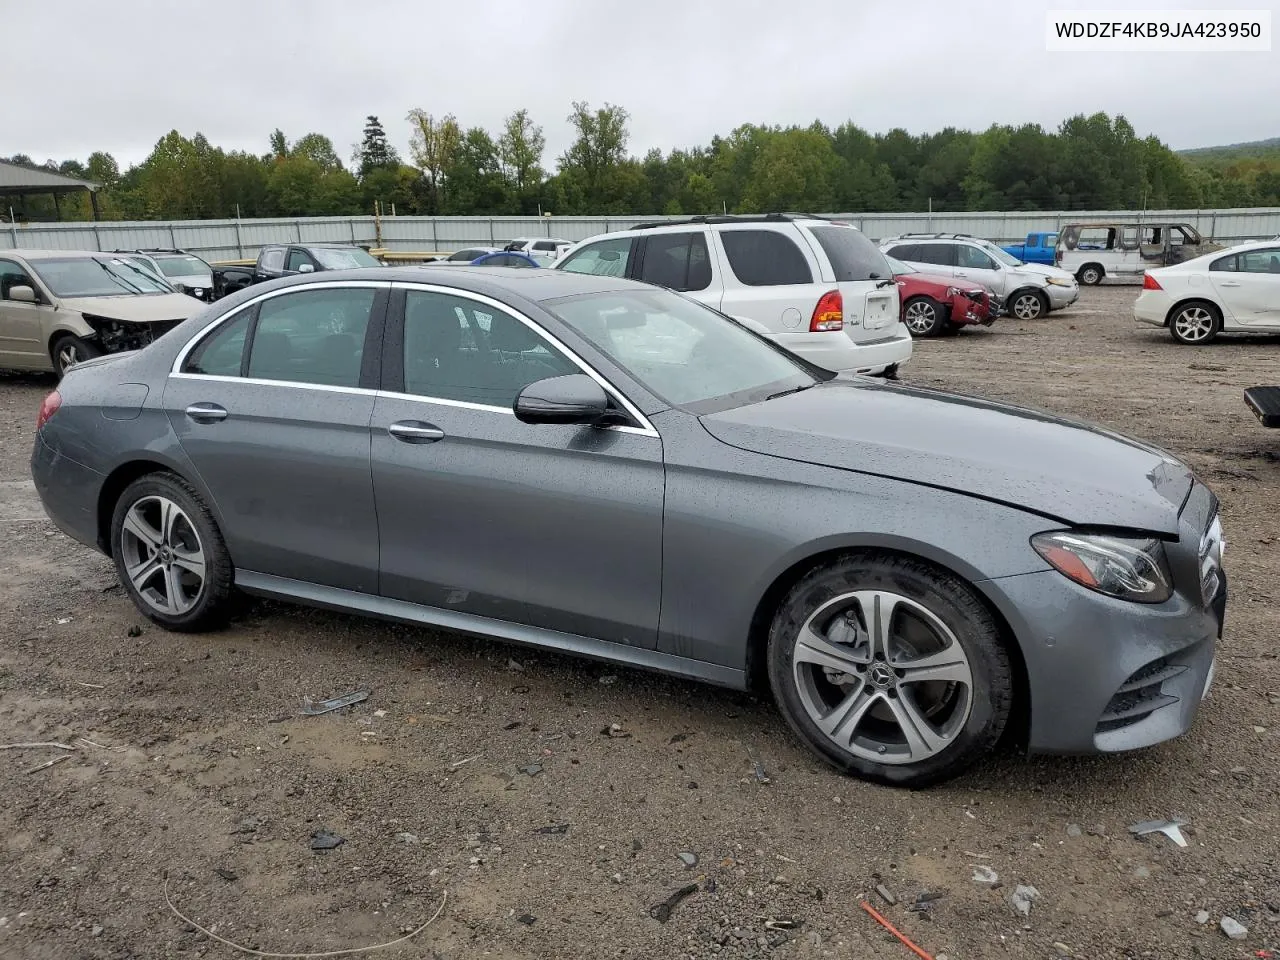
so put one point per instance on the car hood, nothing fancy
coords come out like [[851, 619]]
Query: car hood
[[145, 309], [1075, 473], [1043, 270]]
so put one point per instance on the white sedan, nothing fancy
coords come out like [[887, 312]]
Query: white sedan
[[1229, 291]]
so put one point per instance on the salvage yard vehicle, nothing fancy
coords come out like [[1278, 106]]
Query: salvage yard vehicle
[[1223, 292], [63, 307], [1029, 290], [607, 468], [185, 271], [287, 260], [545, 250], [466, 256], [1037, 248], [817, 287], [1094, 251], [933, 304], [506, 258]]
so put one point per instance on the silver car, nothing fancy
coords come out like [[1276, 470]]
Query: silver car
[[602, 467]]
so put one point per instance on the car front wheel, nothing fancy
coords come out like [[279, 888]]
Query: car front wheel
[[170, 555], [69, 350], [890, 669], [1028, 305]]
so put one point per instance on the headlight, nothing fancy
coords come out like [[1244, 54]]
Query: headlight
[[953, 292], [1119, 567], [1058, 282]]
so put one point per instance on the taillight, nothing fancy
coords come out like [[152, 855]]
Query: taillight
[[1150, 283], [48, 408], [828, 315]]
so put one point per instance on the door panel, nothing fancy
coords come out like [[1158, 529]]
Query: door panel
[[22, 324], [558, 527]]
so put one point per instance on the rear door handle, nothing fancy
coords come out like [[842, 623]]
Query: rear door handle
[[415, 431], [206, 413], [1229, 283]]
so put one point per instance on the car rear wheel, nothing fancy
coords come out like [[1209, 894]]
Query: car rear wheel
[[890, 669], [69, 350], [1090, 275], [1028, 305], [170, 555], [1195, 323], [923, 316]]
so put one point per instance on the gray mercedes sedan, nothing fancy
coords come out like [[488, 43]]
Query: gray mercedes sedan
[[606, 468]]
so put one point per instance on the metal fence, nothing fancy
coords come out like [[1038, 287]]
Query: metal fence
[[241, 239]]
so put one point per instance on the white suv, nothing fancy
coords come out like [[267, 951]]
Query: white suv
[[543, 249], [817, 287], [1029, 290]]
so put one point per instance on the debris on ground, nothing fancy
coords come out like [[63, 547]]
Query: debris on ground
[[985, 875], [893, 930], [313, 708], [514, 724], [662, 910], [407, 837], [35, 746], [249, 825], [1142, 873], [462, 763], [1063, 949], [783, 923], [1202, 917], [555, 828], [1022, 897], [1233, 928], [615, 732], [925, 900], [679, 738], [1170, 828], [134, 631], [528, 919], [379, 714], [226, 875], [608, 680], [48, 763], [532, 769], [324, 840], [1073, 830], [886, 894], [688, 858], [758, 769], [515, 666]]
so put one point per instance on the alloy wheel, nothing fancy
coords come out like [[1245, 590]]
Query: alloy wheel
[[920, 317], [68, 356], [882, 677], [1194, 324], [163, 556], [1027, 307]]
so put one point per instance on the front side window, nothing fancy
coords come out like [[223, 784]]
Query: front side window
[[765, 258], [606, 258], [677, 261], [296, 259], [312, 336], [12, 275], [104, 276], [684, 353], [458, 349], [221, 354], [971, 258]]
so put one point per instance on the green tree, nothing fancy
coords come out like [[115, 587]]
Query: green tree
[[433, 144], [318, 148], [375, 152], [520, 152], [598, 149], [474, 183]]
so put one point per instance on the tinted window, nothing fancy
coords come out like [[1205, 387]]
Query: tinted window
[[273, 259], [457, 349], [942, 254], [852, 255], [682, 351], [677, 261], [1261, 261], [971, 258], [765, 258], [606, 258], [12, 275], [222, 353], [545, 245], [313, 336], [296, 259], [1225, 264], [905, 251]]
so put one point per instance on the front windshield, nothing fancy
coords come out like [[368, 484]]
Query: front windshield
[[898, 267], [341, 259], [1004, 256], [97, 277], [182, 266], [683, 353]]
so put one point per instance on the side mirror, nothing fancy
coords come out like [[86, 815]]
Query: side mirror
[[23, 293], [572, 399], [306, 268]]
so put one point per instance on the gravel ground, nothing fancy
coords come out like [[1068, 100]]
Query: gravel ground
[[490, 772]]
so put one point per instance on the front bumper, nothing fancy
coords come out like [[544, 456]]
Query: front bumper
[[1060, 297]]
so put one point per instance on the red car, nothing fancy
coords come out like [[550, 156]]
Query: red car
[[933, 304]]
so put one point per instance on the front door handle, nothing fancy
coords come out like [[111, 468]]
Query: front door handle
[[415, 431], [206, 413], [961, 273]]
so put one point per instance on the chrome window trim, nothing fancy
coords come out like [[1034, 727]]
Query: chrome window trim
[[176, 372]]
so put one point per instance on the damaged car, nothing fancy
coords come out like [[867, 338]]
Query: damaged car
[[59, 308], [933, 305]]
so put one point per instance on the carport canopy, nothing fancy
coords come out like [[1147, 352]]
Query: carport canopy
[[19, 181]]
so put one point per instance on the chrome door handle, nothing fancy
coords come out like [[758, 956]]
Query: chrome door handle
[[206, 413], [1229, 283], [415, 431]]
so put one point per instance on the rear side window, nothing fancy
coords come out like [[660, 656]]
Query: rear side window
[[1225, 264], [852, 255], [765, 258], [221, 354], [313, 336], [677, 261], [942, 254], [905, 251], [545, 245], [273, 258]]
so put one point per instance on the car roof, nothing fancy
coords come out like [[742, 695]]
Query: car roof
[[535, 285], [59, 254]]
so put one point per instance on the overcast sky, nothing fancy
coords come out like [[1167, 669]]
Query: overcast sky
[[81, 76]]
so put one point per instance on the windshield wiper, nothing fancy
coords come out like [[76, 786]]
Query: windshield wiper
[[117, 278], [783, 393]]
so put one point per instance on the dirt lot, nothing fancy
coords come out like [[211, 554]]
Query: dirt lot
[[199, 765]]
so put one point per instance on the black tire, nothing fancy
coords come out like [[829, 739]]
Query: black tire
[[1090, 275], [1027, 305], [68, 350], [208, 607], [1195, 323], [954, 605], [924, 316]]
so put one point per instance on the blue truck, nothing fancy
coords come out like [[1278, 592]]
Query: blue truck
[[1038, 248]]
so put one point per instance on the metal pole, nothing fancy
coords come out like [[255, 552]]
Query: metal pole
[[491, 240], [13, 227], [173, 238], [435, 235], [239, 239], [297, 227]]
